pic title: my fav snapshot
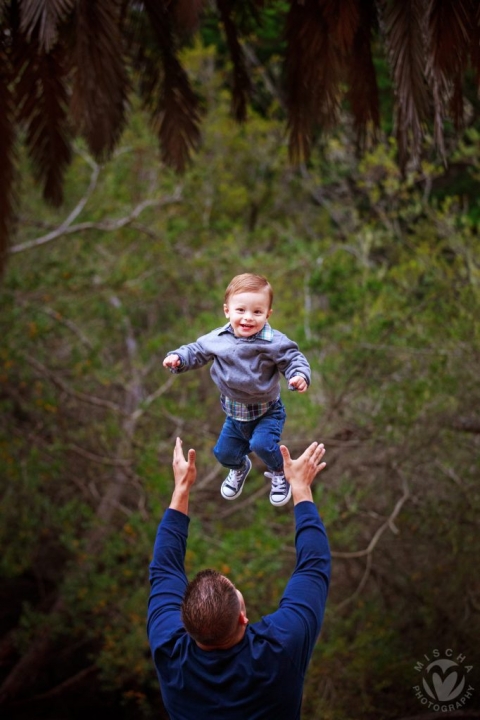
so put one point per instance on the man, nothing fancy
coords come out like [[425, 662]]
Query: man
[[211, 664]]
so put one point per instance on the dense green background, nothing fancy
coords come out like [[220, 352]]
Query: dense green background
[[377, 278]]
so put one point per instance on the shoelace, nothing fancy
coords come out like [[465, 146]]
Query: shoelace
[[278, 483], [235, 477]]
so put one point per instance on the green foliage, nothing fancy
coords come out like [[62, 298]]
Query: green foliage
[[377, 279]]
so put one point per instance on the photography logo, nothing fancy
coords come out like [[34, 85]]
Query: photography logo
[[444, 681]]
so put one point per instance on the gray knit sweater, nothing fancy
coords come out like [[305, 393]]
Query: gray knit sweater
[[246, 370]]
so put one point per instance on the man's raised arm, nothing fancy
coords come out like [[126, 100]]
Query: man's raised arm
[[301, 609], [167, 572]]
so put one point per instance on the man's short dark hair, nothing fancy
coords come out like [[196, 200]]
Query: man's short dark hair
[[210, 608]]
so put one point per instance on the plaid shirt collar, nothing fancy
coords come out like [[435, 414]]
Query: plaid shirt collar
[[266, 333]]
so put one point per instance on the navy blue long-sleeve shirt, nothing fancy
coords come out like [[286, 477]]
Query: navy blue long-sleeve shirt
[[262, 676]]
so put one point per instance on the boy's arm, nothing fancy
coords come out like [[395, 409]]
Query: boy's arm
[[293, 364], [188, 357]]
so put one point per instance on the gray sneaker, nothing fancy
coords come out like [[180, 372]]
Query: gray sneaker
[[281, 491], [233, 484]]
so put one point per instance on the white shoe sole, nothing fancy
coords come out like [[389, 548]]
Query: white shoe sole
[[237, 494], [284, 501]]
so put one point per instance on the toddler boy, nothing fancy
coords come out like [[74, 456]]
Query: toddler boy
[[248, 357]]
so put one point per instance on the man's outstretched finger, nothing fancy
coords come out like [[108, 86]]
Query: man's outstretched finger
[[177, 449], [319, 451], [285, 453]]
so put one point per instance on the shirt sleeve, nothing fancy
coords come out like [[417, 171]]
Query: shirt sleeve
[[291, 362], [299, 617], [168, 580], [193, 356]]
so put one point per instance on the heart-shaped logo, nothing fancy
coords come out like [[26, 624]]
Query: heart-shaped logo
[[446, 686]]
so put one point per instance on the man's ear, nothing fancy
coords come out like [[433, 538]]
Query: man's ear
[[242, 619]]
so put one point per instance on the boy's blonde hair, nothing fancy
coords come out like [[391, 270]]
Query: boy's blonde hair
[[248, 282]]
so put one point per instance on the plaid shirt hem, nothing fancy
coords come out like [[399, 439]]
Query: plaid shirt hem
[[242, 412]]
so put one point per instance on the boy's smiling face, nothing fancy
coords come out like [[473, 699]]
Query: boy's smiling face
[[248, 312]]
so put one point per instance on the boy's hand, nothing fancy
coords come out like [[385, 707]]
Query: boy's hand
[[298, 383], [172, 361]]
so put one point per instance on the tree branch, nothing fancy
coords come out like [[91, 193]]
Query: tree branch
[[91, 399], [361, 584], [387, 525], [468, 425], [68, 323], [151, 398], [101, 459], [66, 228]]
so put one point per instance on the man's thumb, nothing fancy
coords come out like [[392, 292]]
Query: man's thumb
[[285, 453]]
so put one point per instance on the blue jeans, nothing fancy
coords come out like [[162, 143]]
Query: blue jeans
[[261, 436]]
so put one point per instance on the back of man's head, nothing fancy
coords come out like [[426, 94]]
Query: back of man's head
[[210, 608]]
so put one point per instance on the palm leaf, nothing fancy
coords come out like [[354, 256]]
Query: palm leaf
[[41, 18], [313, 66], [362, 80], [7, 156], [404, 31], [475, 41], [343, 17], [174, 105], [451, 28], [241, 86], [99, 82], [41, 109], [186, 15]]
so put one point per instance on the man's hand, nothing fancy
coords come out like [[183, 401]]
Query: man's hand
[[301, 472], [298, 383], [185, 474], [172, 361]]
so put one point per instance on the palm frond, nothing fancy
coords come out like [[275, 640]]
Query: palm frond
[[450, 30], [144, 55], [404, 31], [241, 85], [475, 41], [41, 109], [174, 104], [40, 18], [362, 80], [449, 26], [7, 158], [186, 15], [312, 76], [99, 82], [343, 18]]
